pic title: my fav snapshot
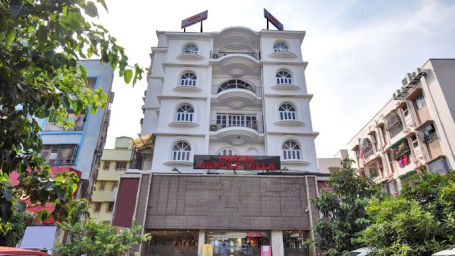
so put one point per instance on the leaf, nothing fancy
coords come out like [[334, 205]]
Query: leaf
[[90, 9], [83, 72], [104, 4], [18, 8], [7, 194], [21, 206], [128, 75], [10, 37], [43, 215]]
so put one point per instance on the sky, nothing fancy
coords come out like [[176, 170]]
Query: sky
[[358, 51]]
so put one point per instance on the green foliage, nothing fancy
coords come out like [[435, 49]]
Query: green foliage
[[19, 221], [419, 221], [86, 237], [41, 43], [343, 210]]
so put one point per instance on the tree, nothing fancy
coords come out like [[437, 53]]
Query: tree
[[19, 221], [343, 210], [419, 221], [40, 77], [86, 237]]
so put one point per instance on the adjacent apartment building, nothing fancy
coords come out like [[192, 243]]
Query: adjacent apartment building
[[414, 130], [114, 162], [233, 92], [80, 147]]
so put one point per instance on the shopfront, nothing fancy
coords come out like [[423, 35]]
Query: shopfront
[[199, 214]]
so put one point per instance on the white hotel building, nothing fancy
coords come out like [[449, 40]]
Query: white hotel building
[[233, 92]]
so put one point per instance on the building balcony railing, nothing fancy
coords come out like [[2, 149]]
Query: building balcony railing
[[257, 91], [234, 49], [216, 125]]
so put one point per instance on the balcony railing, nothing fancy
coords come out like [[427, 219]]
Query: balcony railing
[[216, 89], [235, 49], [216, 125]]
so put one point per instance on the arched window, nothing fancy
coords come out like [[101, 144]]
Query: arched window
[[188, 79], [280, 47], [287, 111], [181, 151], [185, 113], [366, 147], [291, 150], [236, 84], [283, 77], [190, 48], [227, 152]]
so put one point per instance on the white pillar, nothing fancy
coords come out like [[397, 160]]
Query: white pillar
[[277, 243], [200, 242]]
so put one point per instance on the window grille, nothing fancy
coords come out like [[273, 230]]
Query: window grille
[[280, 47], [185, 113], [181, 151], [287, 111], [188, 79], [291, 150], [57, 155], [283, 77], [191, 48]]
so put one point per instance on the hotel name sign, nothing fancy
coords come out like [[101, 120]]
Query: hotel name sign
[[194, 19], [237, 162]]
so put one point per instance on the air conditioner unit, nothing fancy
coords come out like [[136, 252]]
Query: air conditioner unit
[[215, 56], [407, 79], [419, 71], [213, 127]]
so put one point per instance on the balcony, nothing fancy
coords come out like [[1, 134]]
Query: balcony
[[235, 49], [237, 94], [236, 130]]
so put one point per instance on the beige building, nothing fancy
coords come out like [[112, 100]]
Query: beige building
[[414, 130], [114, 162]]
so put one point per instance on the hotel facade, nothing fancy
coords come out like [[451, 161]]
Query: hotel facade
[[413, 131], [236, 92]]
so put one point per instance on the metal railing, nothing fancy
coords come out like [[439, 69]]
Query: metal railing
[[234, 49], [216, 125], [216, 89]]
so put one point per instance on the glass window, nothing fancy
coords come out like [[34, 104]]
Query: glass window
[[120, 165], [114, 185], [227, 152], [366, 148], [414, 140], [191, 48], [185, 113], [394, 124], [79, 123], [283, 77], [237, 242], [291, 150], [102, 185], [294, 242], [110, 207], [236, 84], [419, 101], [188, 79], [428, 133], [97, 207], [287, 111], [405, 110], [55, 155], [280, 47], [181, 151], [106, 165], [173, 242]]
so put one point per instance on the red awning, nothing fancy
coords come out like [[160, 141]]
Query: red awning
[[17, 251]]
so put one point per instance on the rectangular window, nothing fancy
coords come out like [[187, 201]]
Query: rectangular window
[[120, 165], [110, 207], [429, 133], [97, 207], [106, 165], [419, 101], [114, 185], [58, 155], [102, 185], [394, 124], [294, 242], [79, 123], [414, 140], [91, 82], [405, 110]]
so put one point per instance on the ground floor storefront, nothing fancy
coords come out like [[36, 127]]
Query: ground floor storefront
[[220, 243], [223, 215]]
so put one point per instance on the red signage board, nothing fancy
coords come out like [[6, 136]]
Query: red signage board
[[272, 20], [194, 19], [236, 162]]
